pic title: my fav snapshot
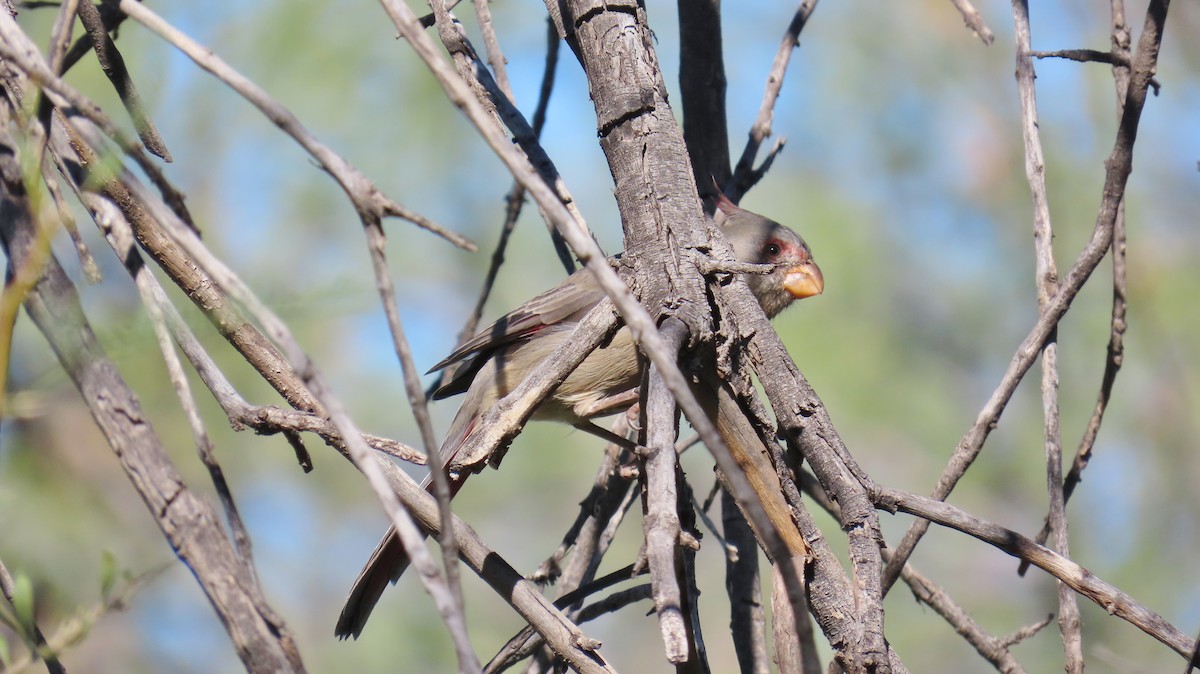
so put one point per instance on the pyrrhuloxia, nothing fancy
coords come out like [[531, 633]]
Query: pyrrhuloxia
[[505, 352]]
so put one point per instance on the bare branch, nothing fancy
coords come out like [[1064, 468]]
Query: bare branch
[[113, 65], [120, 237], [17, 48], [744, 174], [1084, 56], [1027, 631], [579, 651], [496, 58], [377, 243], [526, 642], [1118, 167], [515, 201], [1077, 577], [974, 21], [499, 105], [1115, 355], [1047, 287], [991, 648], [661, 522], [362, 192], [262, 643]]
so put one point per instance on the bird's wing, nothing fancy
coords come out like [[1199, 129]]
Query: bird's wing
[[568, 301]]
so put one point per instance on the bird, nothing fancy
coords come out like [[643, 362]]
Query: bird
[[498, 358]]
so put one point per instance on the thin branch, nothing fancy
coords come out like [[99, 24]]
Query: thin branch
[[1115, 355], [991, 648], [579, 651], [483, 14], [120, 237], [53, 666], [994, 650], [1105, 595], [60, 34], [514, 203], [496, 104], [377, 243], [112, 17], [615, 602], [190, 266], [206, 288], [1117, 58], [606, 498], [525, 642], [539, 122], [974, 21], [1047, 285], [193, 529], [601, 512], [265, 419], [365, 196], [60, 37], [744, 174], [1085, 56], [1026, 632], [689, 545], [413, 539], [17, 48], [1117, 169], [113, 65]]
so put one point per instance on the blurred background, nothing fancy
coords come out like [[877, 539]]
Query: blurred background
[[903, 170]]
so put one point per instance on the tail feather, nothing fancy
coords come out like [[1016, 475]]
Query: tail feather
[[390, 561], [386, 565]]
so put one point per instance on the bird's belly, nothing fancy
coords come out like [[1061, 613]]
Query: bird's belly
[[606, 372]]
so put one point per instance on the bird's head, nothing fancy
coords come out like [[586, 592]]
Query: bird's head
[[759, 240]]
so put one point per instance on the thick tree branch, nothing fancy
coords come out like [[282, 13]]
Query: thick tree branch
[[702, 91]]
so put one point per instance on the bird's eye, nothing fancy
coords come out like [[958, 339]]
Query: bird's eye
[[772, 249]]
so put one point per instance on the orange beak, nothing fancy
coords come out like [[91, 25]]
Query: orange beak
[[804, 280]]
